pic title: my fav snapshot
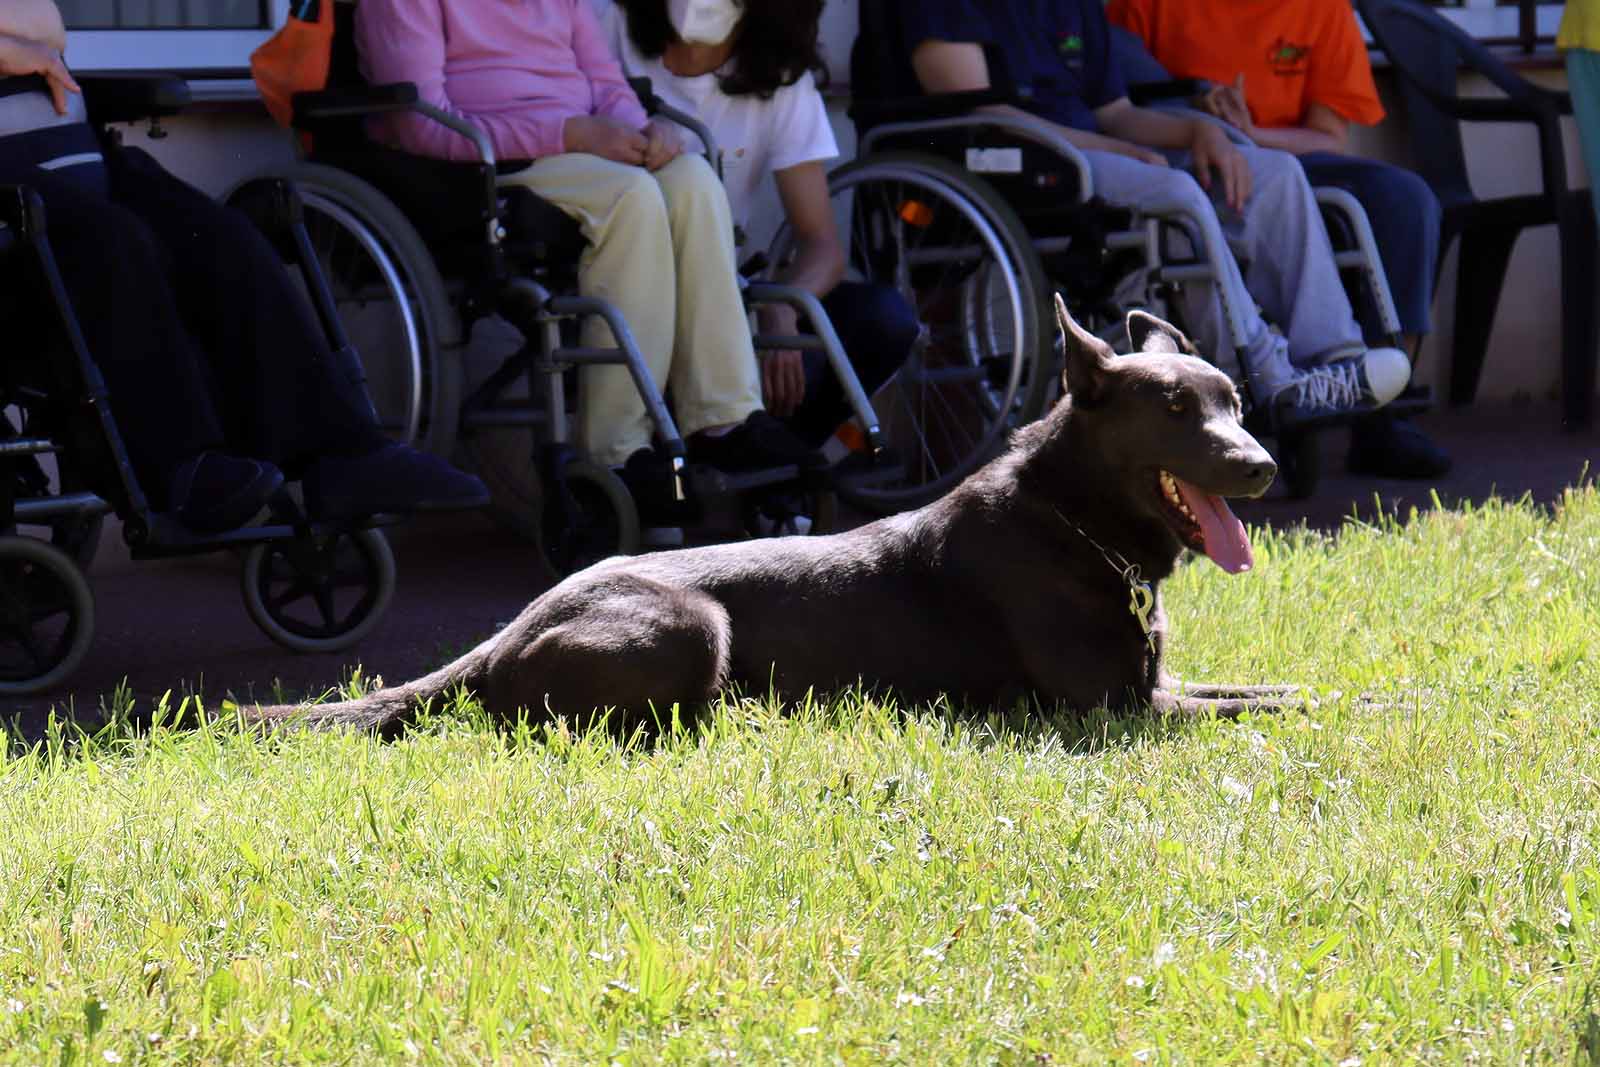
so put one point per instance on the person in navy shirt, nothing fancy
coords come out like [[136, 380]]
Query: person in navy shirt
[[1060, 51]]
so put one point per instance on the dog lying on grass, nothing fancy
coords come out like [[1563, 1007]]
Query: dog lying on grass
[[1037, 576]]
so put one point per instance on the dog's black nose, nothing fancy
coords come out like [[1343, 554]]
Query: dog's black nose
[[1262, 473]]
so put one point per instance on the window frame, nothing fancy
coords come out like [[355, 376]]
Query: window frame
[[177, 50]]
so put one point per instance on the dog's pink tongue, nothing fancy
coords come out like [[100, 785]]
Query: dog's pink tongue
[[1225, 539]]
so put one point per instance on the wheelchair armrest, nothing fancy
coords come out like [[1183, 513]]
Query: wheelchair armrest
[[1173, 89], [129, 97], [1027, 127], [350, 103], [332, 105]]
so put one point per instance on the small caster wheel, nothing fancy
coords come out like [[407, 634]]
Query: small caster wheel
[[46, 616], [587, 518], [1300, 462], [320, 593], [789, 512]]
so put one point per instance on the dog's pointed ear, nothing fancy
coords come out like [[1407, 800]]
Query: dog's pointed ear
[[1088, 359], [1146, 333]]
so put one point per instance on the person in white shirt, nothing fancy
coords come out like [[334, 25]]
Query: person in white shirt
[[749, 72]]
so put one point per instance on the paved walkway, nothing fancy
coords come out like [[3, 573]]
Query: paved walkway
[[181, 625]]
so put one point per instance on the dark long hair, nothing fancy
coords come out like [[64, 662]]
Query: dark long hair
[[776, 44]]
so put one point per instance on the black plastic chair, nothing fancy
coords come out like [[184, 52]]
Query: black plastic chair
[[1428, 51]]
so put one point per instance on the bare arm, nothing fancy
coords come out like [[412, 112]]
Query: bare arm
[[34, 20], [1210, 147], [817, 267], [956, 67], [1323, 129], [819, 264]]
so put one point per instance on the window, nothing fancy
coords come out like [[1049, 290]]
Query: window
[[184, 36], [164, 14]]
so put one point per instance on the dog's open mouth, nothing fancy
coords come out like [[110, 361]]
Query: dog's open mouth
[[1205, 523]]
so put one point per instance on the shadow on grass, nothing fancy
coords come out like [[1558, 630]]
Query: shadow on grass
[[1029, 722]]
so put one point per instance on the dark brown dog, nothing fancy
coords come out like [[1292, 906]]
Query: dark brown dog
[[1038, 575]]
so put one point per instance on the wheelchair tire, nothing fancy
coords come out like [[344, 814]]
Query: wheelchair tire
[[987, 355], [319, 593], [392, 302], [46, 616], [605, 521]]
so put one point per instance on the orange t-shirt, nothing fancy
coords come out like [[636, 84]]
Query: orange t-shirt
[[1293, 53]]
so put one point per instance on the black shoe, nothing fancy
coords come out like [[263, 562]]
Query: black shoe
[[650, 481], [1390, 447], [392, 479], [760, 442], [215, 492]]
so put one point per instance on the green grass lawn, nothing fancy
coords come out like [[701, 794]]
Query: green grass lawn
[[1410, 878]]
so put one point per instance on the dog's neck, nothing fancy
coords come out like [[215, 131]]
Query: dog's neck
[[1066, 484]]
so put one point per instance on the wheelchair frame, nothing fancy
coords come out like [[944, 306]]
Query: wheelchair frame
[[40, 580], [531, 296]]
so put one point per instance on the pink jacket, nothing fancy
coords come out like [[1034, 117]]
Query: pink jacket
[[518, 69]]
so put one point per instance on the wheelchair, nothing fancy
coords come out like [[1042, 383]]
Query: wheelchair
[[977, 217], [419, 252], [310, 586]]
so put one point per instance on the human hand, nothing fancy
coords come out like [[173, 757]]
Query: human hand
[[783, 372], [1143, 154], [1213, 151], [605, 137], [21, 57], [1228, 103], [663, 143], [783, 381]]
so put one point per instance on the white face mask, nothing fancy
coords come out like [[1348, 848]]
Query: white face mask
[[704, 21]]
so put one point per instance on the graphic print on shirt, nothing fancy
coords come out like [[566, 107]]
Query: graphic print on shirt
[[1289, 60], [1069, 46]]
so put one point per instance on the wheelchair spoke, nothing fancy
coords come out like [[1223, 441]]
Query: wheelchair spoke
[[916, 426], [325, 607], [298, 590]]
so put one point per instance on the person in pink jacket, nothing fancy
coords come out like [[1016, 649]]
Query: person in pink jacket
[[538, 77]]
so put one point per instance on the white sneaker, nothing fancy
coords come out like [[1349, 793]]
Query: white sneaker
[[1388, 372], [1352, 386]]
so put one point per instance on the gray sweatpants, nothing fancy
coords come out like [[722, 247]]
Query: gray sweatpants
[[1290, 271]]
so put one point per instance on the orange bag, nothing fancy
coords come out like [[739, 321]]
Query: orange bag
[[296, 58]]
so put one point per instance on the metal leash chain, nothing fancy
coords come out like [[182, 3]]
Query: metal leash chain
[[1141, 595]]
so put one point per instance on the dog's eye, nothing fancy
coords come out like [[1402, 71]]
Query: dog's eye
[[1177, 407]]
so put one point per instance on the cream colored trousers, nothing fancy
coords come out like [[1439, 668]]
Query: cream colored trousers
[[661, 249]]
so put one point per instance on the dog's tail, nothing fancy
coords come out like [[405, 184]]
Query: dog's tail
[[385, 711]]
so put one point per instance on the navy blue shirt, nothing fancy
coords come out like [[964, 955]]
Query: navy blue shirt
[[1061, 49]]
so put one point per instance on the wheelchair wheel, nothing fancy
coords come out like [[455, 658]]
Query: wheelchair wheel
[[391, 301], [319, 593], [962, 258], [597, 520], [46, 616]]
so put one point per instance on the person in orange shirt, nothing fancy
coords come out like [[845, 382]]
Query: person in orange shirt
[[1294, 75]]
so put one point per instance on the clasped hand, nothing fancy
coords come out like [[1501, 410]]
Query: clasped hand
[[652, 147]]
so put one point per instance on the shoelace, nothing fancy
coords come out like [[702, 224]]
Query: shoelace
[[1338, 386]]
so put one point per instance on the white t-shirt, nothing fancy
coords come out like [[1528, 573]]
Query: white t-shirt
[[756, 137]]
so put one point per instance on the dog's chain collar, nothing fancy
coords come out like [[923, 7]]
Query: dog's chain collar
[[1141, 594]]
